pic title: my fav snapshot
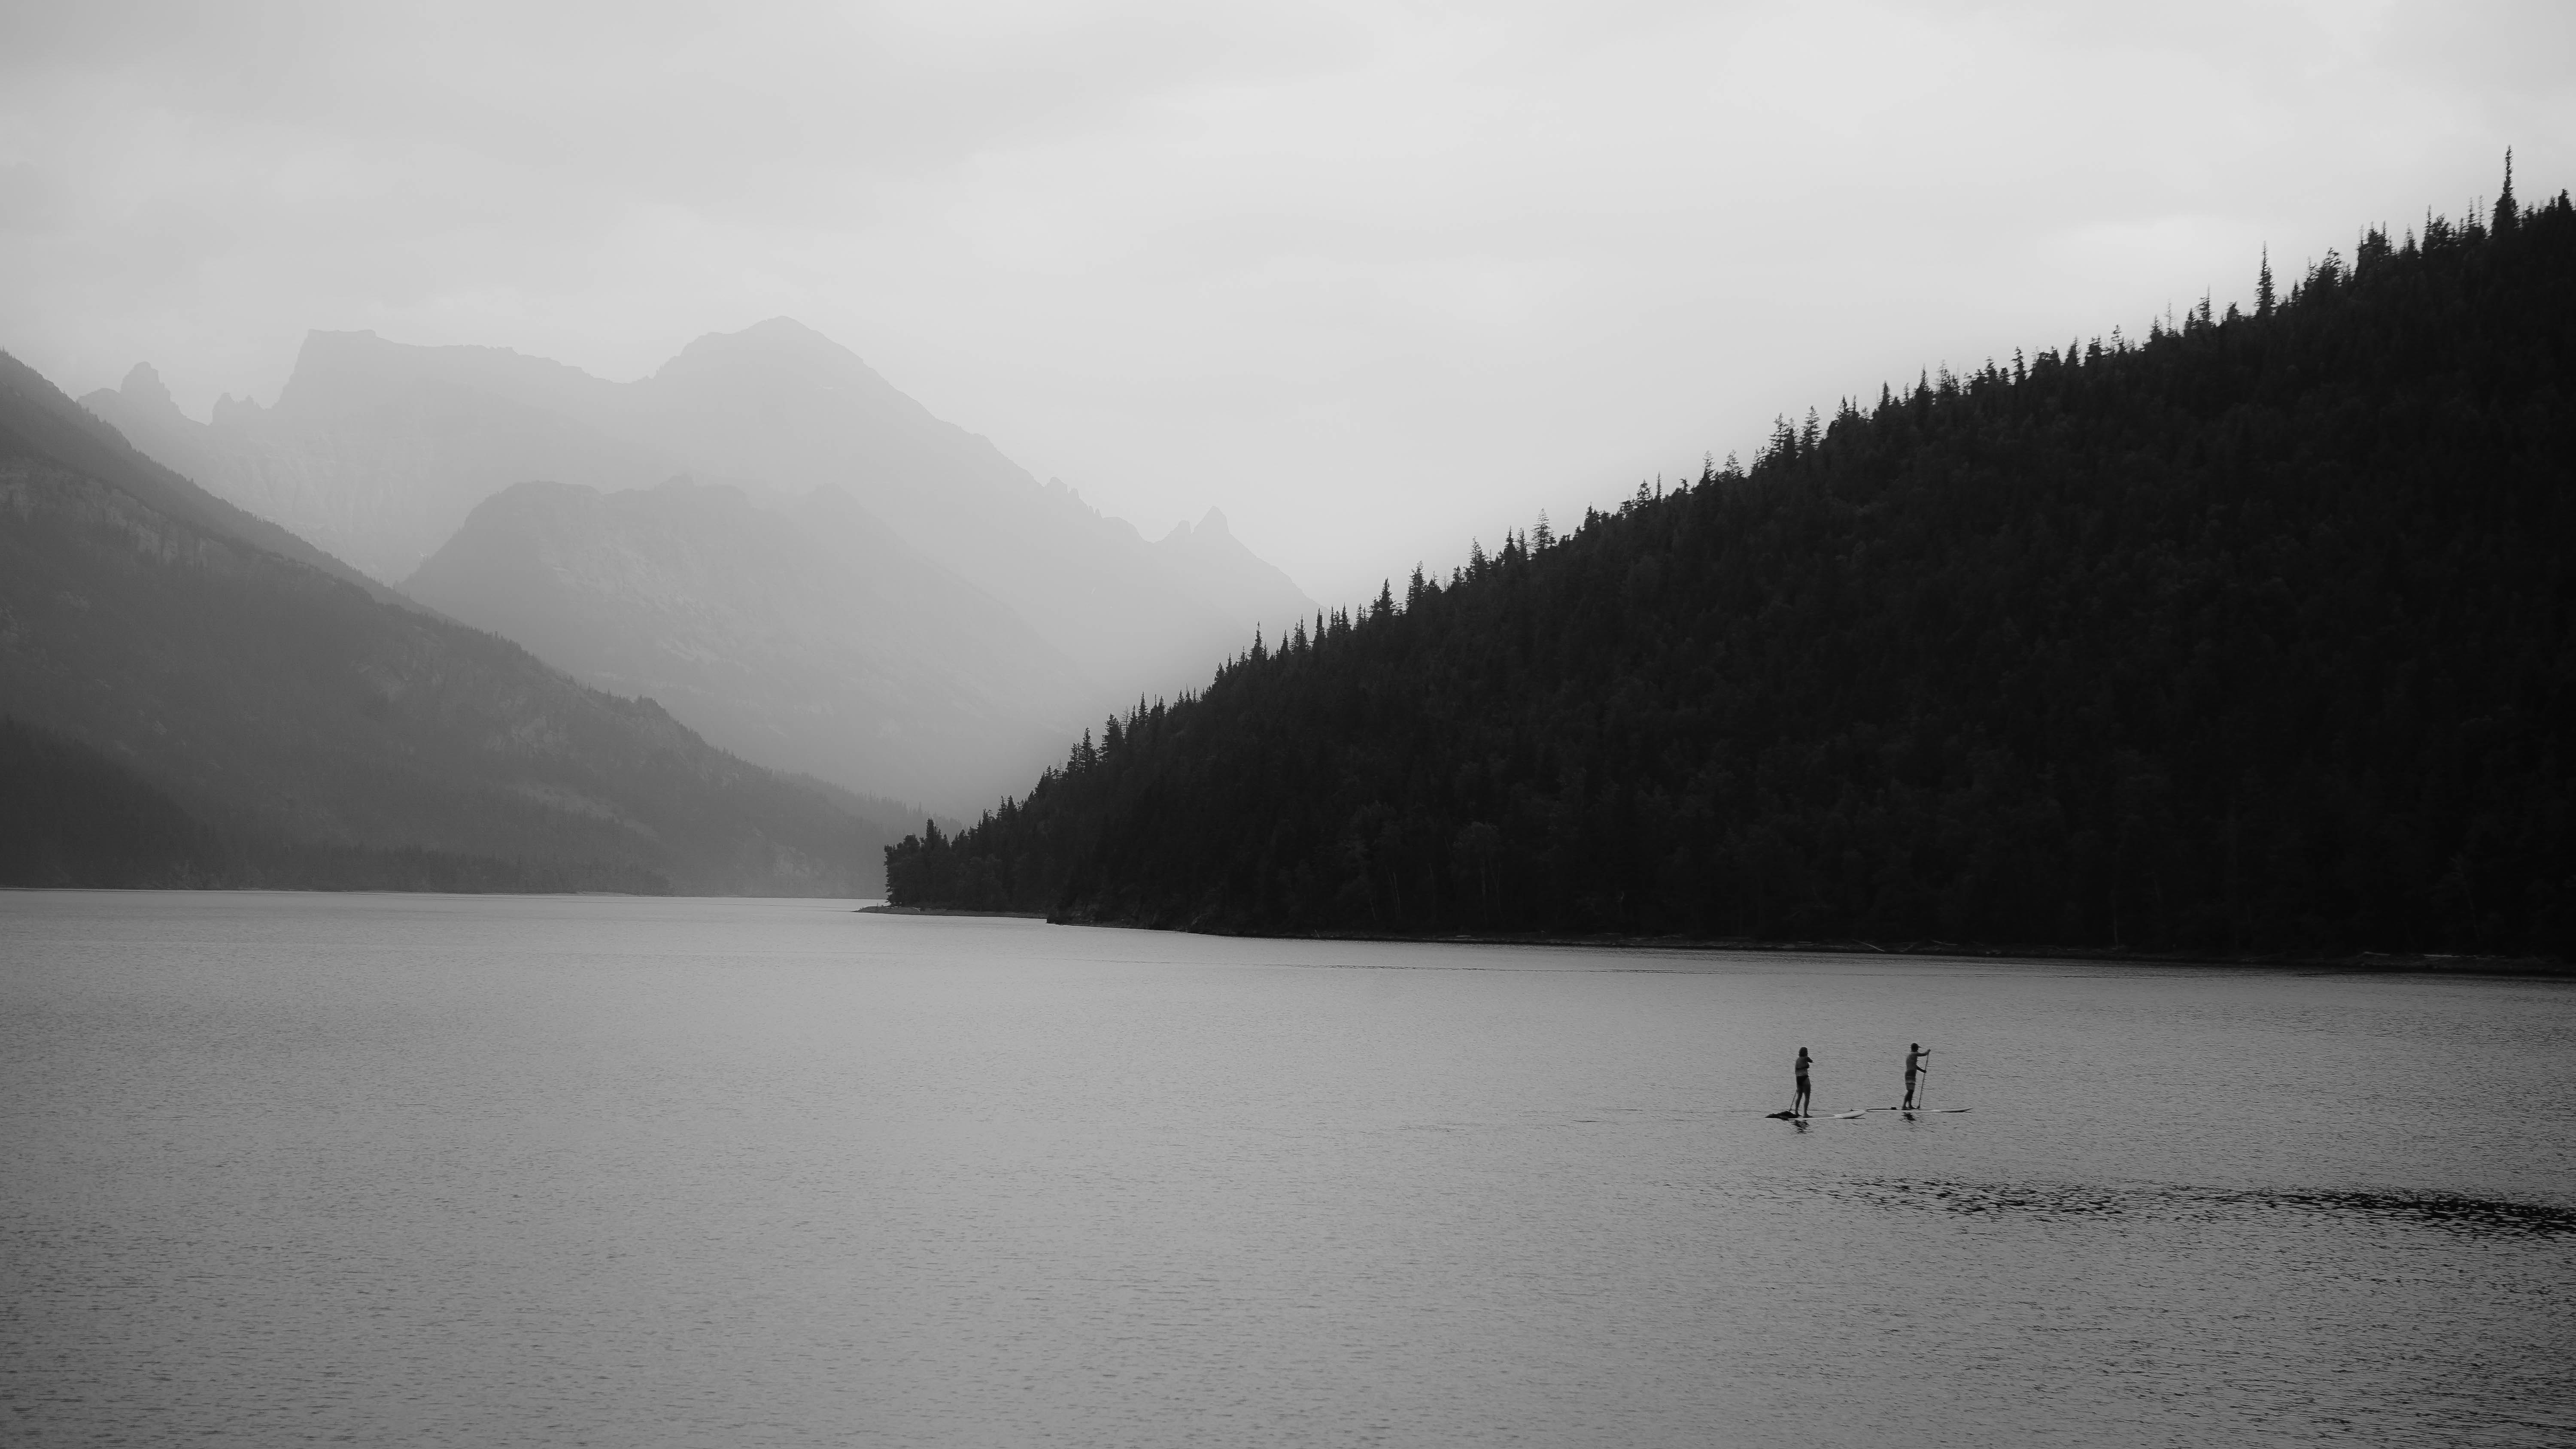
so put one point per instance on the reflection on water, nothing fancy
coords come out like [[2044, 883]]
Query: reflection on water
[[2471, 1216], [282, 1169]]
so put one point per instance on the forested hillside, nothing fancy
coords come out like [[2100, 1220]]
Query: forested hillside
[[2249, 635]]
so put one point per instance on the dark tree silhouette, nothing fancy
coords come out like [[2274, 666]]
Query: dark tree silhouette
[[2255, 636]]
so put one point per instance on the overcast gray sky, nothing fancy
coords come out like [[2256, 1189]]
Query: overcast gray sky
[[1372, 277]]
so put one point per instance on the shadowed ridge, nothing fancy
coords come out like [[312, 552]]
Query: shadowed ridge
[[332, 739]]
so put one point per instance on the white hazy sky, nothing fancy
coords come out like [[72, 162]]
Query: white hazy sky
[[1372, 277]]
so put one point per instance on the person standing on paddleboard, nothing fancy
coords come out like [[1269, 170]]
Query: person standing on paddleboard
[[1798, 1102], [1917, 1062]]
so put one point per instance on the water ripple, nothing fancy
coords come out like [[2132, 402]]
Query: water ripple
[[2471, 1216]]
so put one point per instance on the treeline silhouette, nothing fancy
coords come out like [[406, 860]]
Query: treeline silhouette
[[2252, 635], [71, 816]]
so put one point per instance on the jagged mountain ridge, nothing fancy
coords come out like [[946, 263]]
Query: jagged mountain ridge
[[42, 421], [783, 405], [377, 451], [383, 452]]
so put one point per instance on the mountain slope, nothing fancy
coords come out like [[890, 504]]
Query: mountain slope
[[377, 453], [41, 421], [291, 711], [2259, 635], [784, 406], [383, 453], [811, 639]]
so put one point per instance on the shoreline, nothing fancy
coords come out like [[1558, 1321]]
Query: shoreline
[[947, 911], [2392, 963]]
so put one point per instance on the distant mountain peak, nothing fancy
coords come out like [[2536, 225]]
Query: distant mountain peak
[[338, 374], [1211, 526], [789, 327], [143, 386], [778, 337]]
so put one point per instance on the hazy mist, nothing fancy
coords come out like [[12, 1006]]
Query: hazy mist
[[1369, 278]]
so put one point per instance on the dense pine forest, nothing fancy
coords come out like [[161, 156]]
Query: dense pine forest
[[2250, 635]]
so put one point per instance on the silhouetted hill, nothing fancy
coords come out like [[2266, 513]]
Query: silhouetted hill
[[809, 638], [330, 737], [2255, 635]]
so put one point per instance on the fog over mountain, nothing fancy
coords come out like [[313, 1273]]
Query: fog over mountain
[[810, 637], [848, 584], [376, 452], [190, 696]]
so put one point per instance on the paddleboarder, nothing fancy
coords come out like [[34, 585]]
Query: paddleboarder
[[1917, 1062], [1798, 1102]]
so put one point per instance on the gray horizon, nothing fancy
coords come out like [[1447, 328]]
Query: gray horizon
[[1372, 283]]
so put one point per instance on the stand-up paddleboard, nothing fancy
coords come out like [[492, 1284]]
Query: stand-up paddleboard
[[1922, 1109], [1855, 1112]]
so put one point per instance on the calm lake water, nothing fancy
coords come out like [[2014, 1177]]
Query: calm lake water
[[285, 1169]]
